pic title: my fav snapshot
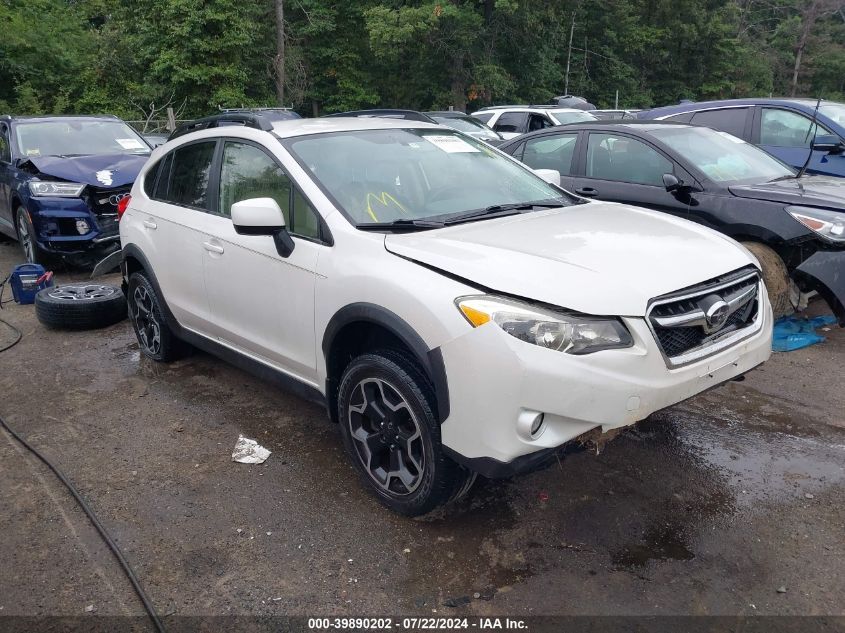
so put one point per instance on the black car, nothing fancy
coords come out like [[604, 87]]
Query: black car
[[795, 226], [468, 125], [61, 179]]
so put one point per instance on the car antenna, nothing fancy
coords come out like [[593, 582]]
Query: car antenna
[[810, 129]]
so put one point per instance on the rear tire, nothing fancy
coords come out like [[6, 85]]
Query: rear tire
[[155, 338], [391, 434], [775, 276]]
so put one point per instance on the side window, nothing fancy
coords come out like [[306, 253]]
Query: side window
[[484, 117], [248, 172], [517, 153], [163, 183], [730, 120], [5, 149], [784, 128], [150, 179], [189, 175], [551, 152], [625, 159], [538, 122], [511, 122]]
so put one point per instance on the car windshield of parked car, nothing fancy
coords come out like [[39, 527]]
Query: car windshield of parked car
[[77, 137], [835, 111], [722, 157], [413, 174], [572, 116], [466, 124]]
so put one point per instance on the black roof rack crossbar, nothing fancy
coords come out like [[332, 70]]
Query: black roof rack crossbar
[[247, 119]]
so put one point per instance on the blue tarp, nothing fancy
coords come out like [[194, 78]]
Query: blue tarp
[[793, 332]]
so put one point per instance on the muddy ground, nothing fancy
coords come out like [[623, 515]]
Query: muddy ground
[[731, 503]]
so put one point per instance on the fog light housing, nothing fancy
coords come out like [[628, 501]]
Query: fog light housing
[[82, 226], [530, 425]]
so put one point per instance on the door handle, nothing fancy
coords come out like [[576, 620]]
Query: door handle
[[212, 248], [149, 224], [588, 192]]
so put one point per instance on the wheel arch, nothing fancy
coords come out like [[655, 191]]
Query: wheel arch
[[361, 327]]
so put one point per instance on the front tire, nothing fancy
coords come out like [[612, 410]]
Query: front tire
[[775, 276], [393, 437], [33, 253], [155, 338]]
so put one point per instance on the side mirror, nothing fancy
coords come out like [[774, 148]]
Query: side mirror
[[262, 216], [829, 143], [671, 182], [551, 176]]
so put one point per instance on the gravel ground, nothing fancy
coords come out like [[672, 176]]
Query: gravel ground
[[732, 503]]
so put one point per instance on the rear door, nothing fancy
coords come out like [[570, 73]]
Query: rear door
[[621, 168], [551, 151], [511, 124], [735, 120], [171, 228], [788, 135], [6, 180]]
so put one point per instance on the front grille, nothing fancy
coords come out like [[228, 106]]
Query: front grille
[[680, 323], [103, 203]]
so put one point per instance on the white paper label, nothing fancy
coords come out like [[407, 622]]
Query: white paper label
[[130, 143], [450, 144]]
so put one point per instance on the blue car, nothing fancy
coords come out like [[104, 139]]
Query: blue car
[[782, 127], [61, 179]]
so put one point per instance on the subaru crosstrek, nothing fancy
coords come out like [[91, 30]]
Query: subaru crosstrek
[[61, 179], [455, 312]]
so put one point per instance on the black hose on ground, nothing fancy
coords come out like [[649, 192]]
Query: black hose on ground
[[148, 605]]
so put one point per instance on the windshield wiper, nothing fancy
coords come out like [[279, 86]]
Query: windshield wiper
[[786, 177], [500, 210], [404, 224]]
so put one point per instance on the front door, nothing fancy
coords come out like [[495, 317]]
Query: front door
[[263, 304], [7, 225], [787, 135]]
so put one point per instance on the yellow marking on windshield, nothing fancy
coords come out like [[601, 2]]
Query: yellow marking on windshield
[[384, 199]]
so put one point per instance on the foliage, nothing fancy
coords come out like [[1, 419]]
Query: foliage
[[110, 56]]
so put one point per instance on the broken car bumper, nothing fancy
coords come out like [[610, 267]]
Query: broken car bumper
[[824, 272], [499, 384]]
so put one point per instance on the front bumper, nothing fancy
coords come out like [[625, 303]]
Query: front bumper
[[494, 378], [824, 272], [55, 224]]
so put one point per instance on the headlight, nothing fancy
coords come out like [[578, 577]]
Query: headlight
[[58, 189], [829, 224], [560, 331]]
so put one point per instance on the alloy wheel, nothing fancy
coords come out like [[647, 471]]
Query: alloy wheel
[[386, 436], [145, 320], [25, 238]]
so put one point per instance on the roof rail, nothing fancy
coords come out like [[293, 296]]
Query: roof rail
[[385, 113], [498, 107], [247, 119]]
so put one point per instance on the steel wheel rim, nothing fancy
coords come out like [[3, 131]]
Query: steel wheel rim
[[25, 238], [81, 293], [386, 436], [145, 321]]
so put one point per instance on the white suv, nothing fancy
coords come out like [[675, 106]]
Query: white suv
[[455, 313], [511, 121]]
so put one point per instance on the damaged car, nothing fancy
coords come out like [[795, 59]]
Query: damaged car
[[61, 181], [793, 223], [455, 312]]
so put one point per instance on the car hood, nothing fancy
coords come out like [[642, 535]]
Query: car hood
[[99, 170], [598, 258], [816, 191]]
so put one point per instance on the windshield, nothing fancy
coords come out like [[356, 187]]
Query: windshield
[[465, 124], [572, 116], [77, 137], [722, 157], [412, 174], [835, 111]]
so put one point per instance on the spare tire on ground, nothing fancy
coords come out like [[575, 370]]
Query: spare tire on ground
[[80, 306]]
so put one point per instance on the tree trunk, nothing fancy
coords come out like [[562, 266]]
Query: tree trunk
[[808, 21], [459, 97], [279, 59]]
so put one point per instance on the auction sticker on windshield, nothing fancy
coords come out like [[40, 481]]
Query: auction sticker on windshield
[[450, 144], [130, 143]]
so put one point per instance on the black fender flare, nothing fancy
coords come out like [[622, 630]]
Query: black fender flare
[[430, 359]]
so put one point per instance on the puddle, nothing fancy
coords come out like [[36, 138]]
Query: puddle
[[660, 543]]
